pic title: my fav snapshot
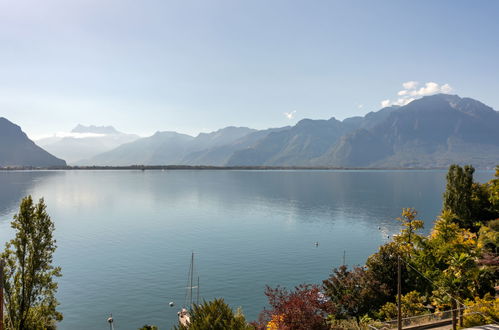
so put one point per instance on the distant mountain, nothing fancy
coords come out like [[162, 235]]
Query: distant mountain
[[295, 146], [167, 148], [436, 130], [303, 143], [85, 142], [220, 155], [433, 131], [16, 149], [160, 148]]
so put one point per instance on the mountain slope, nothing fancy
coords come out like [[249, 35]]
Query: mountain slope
[[220, 155], [16, 149], [86, 142], [160, 148], [435, 130], [168, 148], [303, 143]]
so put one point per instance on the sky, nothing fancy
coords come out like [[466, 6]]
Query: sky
[[197, 66]]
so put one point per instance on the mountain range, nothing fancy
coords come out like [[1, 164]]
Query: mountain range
[[434, 131], [85, 142]]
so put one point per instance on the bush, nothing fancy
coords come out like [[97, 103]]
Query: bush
[[481, 311]]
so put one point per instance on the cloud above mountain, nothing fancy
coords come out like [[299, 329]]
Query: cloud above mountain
[[74, 135], [290, 115], [410, 92]]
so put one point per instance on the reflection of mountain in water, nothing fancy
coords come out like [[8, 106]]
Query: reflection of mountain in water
[[15, 185]]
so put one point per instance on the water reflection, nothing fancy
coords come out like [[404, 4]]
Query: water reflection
[[14, 185]]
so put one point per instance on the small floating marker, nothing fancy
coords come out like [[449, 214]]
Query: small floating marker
[[110, 319], [316, 243], [171, 304], [379, 228]]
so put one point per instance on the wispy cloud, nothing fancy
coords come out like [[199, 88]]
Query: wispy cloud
[[411, 92], [290, 115], [69, 135]]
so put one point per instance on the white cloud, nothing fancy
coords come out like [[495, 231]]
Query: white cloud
[[410, 84], [430, 88], [446, 88], [410, 93], [360, 106], [290, 115], [70, 135]]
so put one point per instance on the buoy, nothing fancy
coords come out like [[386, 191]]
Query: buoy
[[171, 304], [316, 243]]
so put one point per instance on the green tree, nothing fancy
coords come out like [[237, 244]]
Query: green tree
[[29, 274], [408, 236], [458, 194], [412, 304], [354, 293], [494, 192], [382, 267], [215, 315]]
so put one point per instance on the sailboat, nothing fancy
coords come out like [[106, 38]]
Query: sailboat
[[184, 316]]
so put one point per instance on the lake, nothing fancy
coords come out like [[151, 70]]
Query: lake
[[125, 238]]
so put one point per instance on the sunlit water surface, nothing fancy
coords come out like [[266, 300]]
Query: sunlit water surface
[[125, 237]]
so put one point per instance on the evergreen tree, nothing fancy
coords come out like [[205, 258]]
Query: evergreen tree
[[28, 273], [458, 194]]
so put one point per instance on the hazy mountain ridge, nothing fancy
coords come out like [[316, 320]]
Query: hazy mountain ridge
[[171, 148], [305, 143], [435, 130], [16, 149], [86, 142]]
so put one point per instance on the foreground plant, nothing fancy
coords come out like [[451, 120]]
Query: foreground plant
[[29, 284], [215, 315]]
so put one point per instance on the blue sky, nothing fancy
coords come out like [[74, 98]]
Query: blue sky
[[192, 66]]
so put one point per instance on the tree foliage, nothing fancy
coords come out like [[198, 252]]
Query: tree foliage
[[458, 260], [216, 315], [458, 193], [412, 304], [149, 327], [305, 307], [481, 311], [29, 274], [408, 236], [353, 293]]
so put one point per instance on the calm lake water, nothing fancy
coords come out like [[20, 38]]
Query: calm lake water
[[125, 237]]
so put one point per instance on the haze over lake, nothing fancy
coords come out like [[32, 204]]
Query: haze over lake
[[125, 237]]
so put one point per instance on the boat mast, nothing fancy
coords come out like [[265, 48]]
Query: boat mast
[[192, 274], [197, 298]]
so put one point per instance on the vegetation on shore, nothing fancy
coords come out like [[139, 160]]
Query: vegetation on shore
[[456, 265], [28, 275]]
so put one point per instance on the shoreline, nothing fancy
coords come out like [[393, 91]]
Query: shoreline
[[230, 168]]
